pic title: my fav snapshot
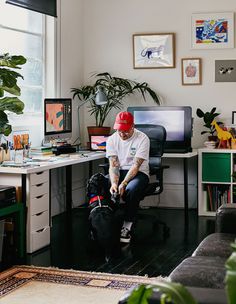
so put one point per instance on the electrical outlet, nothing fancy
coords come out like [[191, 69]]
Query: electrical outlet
[[225, 71]]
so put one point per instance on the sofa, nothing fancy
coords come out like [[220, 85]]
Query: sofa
[[203, 273]]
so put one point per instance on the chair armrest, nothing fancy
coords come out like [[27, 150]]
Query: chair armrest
[[226, 218]]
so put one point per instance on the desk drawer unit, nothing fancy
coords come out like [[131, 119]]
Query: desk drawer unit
[[38, 228]]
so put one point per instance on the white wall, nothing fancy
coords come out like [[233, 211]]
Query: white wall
[[70, 57], [107, 46]]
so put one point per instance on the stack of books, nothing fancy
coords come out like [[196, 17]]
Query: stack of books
[[41, 151]]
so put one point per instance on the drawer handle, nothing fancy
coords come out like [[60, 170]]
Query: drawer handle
[[41, 230], [39, 185], [39, 173], [40, 196], [38, 214]]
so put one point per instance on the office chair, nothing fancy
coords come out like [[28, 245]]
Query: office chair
[[157, 136]]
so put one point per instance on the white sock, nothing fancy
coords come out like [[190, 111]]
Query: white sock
[[127, 225]]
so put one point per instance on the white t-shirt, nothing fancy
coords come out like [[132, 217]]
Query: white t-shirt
[[138, 145]]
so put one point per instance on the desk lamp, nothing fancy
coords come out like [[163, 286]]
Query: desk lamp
[[100, 100]]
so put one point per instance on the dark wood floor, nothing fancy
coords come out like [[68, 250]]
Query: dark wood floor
[[148, 254]]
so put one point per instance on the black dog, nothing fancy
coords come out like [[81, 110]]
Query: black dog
[[101, 217]]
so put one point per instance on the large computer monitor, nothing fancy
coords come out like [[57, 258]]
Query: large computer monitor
[[177, 121], [57, 118]]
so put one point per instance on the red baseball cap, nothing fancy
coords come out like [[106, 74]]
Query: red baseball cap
[[124, 121]]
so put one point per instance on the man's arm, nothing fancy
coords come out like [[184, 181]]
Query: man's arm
[[130, 174], [114, 172]]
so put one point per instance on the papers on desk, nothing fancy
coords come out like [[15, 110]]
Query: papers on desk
[[41, 158], [16, 165]]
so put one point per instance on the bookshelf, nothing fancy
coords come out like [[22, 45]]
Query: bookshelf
[[216, 185]]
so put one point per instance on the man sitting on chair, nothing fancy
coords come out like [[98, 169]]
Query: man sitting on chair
[[128, 154]]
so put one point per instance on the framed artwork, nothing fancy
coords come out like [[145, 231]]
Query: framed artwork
[[234, 117], [212, 30], [154, 51], [191, 71]]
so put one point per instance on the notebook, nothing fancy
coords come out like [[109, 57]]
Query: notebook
[[98, 142]]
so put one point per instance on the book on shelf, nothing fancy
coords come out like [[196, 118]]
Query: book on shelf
[[217, 195]]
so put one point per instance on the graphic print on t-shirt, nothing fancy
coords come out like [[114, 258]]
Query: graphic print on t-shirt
[[132, 151]]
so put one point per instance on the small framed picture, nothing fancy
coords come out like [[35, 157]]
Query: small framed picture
[[154, 51], [191, 71], [212, 30], [234, 117]]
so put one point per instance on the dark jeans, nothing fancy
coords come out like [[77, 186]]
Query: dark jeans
[[134, 193]]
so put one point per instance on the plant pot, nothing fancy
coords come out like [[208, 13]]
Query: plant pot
[[99, 130], [213, 138]]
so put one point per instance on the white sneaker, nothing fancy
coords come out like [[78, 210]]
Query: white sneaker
[[125, 235]]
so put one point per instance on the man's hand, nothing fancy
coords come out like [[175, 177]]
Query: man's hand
[[114, 188], [121, 189]]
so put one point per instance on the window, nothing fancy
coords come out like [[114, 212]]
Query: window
[[22, 33]]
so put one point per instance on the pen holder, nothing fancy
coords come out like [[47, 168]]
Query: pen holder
[[4, 155], [19, 156]]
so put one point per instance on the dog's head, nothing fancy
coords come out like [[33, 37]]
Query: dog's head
[[97, 185]]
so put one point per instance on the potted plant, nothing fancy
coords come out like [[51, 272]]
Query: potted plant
[[208, 117], [115, 89], [8, 84]]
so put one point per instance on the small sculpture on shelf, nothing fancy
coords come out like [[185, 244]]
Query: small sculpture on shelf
[[225, 137]]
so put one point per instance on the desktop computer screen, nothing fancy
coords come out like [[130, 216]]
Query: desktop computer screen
[[57, 118], [177, 121]]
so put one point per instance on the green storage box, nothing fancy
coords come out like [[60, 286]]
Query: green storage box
[[216, 167]]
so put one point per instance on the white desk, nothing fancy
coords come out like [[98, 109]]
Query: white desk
[[35, 184], [53, 163], [185, 157]]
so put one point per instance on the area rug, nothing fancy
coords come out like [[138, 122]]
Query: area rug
[[39, 285]]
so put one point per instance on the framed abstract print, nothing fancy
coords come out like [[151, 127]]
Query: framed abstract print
[[212, 30]]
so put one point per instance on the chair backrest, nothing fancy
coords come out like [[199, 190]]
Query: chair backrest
[[157, 136]]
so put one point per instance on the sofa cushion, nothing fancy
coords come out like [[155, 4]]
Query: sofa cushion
[[216, 244], [200, 272]]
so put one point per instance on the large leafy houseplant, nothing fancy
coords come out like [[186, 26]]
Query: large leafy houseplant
[[8, 85], [116, 89]]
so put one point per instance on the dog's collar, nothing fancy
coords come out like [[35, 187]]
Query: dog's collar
[[95, 198]]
